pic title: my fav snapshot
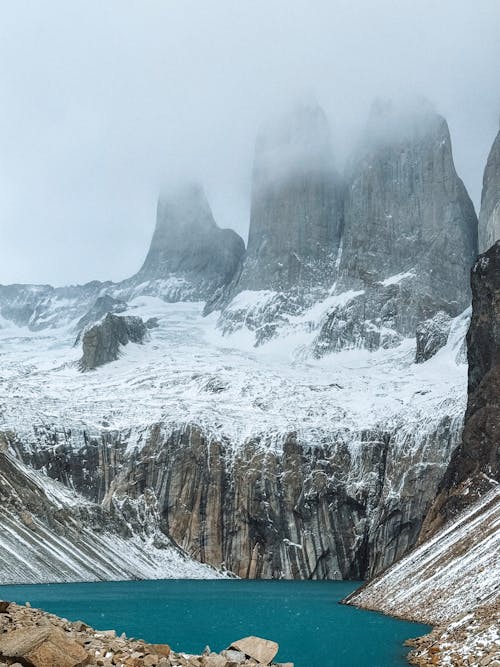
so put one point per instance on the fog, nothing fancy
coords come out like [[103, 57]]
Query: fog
[[104, 103]]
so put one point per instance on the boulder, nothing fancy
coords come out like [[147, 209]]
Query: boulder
[[102, 342], [261, 650], [45, 646]]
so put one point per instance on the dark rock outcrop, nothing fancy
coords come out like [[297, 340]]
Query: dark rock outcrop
[[190, 257], [489, 216], [102, 306], [475, 464], [432, 335], [102, 342]]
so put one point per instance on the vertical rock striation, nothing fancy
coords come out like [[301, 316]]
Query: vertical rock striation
[[410, 232], [489, 216]]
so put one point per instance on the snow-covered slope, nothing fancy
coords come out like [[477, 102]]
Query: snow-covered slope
[[211, 425], [49, 533], [456, 570]]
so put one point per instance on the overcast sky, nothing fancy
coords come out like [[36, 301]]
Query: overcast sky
[[103, 101]]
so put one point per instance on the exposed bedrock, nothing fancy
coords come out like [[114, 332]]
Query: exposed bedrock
[[489, 216], [190, 257], [296, 210], [102, 343], [475, 465], [398, 236], [343, 509]]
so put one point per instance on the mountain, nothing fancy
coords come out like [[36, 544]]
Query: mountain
[[282, 460], [489, 217], [190, 257], [452, 578], [385, 248]]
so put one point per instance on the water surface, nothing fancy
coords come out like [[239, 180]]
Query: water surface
[[304, 617]]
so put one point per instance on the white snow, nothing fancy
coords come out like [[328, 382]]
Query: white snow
[[397, 278], [270, 390], [455, 571]]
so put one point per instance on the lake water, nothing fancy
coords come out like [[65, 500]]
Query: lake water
[[304, 617]]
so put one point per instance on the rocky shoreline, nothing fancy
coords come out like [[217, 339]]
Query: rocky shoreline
[[34, 638], [470, 640]]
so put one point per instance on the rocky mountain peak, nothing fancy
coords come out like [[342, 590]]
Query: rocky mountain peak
[[189, 252], [296, 209], [489, 216]]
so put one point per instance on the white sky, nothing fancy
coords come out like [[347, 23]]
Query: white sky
[[103, 101]]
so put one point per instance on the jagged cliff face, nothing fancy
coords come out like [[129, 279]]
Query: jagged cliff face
[[489, 217], [189, 257], [397, 240], [475, 465], [51, 533], [296, 209]]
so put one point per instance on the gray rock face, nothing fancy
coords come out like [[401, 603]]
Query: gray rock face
[[489, 216], [103, 305], [49, 533], [189, 257], [410, 234], [400, 237], [296, 212], [102, 342], [432, 335]]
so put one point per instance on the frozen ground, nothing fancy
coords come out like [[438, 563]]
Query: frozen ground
[[189, 372]]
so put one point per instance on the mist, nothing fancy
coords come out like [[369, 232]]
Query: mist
[[104, 104]]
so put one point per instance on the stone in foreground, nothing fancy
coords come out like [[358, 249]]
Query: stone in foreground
[[43, 647], [262, 650]]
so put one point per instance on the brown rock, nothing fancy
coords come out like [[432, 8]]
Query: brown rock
[[158, 649], [19, 642], [261, 650], [57, 651]]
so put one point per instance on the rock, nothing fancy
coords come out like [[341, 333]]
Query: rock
[[102, 306], [152, 323], [4, 606], [296, 208], [233, 656], [20, 642], [213, 660], [43, 647], [432, 335], [162, 650], [261, 650], [190, 257], [102, 342], [475, 465], [489, 216]]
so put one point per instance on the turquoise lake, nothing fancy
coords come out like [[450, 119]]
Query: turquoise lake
[[304, 617]]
